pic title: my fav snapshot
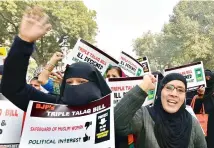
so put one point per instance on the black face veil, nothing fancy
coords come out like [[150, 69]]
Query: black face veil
[[85, 93]]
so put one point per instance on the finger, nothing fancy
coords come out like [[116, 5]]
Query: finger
[[152, 77], [60, 74], [154, 80], [53, 77], [48, 27], [44, 20], [38, 10], [57, 75], [30, 19], [28, 11], [59, 54], [37, 17]]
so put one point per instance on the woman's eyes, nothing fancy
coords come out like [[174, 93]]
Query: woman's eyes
[[82, 81]]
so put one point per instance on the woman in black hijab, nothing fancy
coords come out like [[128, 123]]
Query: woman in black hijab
[[171, 130], [82, 82], [167, 124], [207, 98]]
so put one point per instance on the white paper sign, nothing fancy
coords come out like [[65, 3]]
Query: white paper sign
[[131, 67], [194, 74], [85, 52], [56, 126], [11, 119], [120, 86]]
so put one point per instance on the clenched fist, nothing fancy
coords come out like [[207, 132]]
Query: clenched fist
[[148, 83]]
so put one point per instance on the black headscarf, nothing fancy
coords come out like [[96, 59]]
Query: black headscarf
[[209, 93], [119, 70], [210, 82], [171, 130], [160, 77], [85, 93], [1, 69]]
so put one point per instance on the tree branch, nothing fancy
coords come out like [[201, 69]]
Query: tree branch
[[8, 20]]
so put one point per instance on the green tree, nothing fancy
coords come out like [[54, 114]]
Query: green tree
[[187, 37], [70, 18]]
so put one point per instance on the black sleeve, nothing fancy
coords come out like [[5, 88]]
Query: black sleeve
[[128, 113], [13, 85], [209, 103]]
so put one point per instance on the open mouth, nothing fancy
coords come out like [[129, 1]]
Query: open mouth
[[172, 102]]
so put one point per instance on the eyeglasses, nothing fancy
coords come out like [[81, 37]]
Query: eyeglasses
[[179, 90]]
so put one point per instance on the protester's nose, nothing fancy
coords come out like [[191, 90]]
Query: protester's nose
[[174, 92]]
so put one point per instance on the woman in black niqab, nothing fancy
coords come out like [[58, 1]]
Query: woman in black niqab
[[92, 88]]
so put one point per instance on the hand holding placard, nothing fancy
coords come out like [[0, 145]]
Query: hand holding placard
[[148, 83]]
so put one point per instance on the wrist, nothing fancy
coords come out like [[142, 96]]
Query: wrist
[[144, 87], [52, 62], [49, 67], [25, 38]]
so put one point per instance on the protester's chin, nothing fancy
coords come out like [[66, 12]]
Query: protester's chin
[[170, 109]]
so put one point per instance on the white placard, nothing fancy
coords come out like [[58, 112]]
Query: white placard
[[194, 74], [11, 119], [55, 126], [131, 67], [85, 52], [120, 86]]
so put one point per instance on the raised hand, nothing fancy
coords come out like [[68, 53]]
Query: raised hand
[[148, 83], [200, 92], [57, 56], [34, 24]]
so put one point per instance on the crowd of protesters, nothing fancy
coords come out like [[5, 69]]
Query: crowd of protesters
[[166, 124]]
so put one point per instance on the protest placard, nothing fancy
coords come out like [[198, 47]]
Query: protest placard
[[32, 67], [11, 119], [145, 63], [54, 125], [131, 67], [120, 86], [3, 54], [194, 74], [85, 52]]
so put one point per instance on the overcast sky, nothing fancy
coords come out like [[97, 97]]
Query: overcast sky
[[121, 21]]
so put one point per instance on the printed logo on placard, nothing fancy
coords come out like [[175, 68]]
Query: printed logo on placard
[[139, 71], [86, 137], [102, 127], [151, 94], [199, 74], [145, 67]]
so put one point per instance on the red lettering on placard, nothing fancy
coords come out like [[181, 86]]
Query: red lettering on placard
[[11, 113], [45, 106]]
